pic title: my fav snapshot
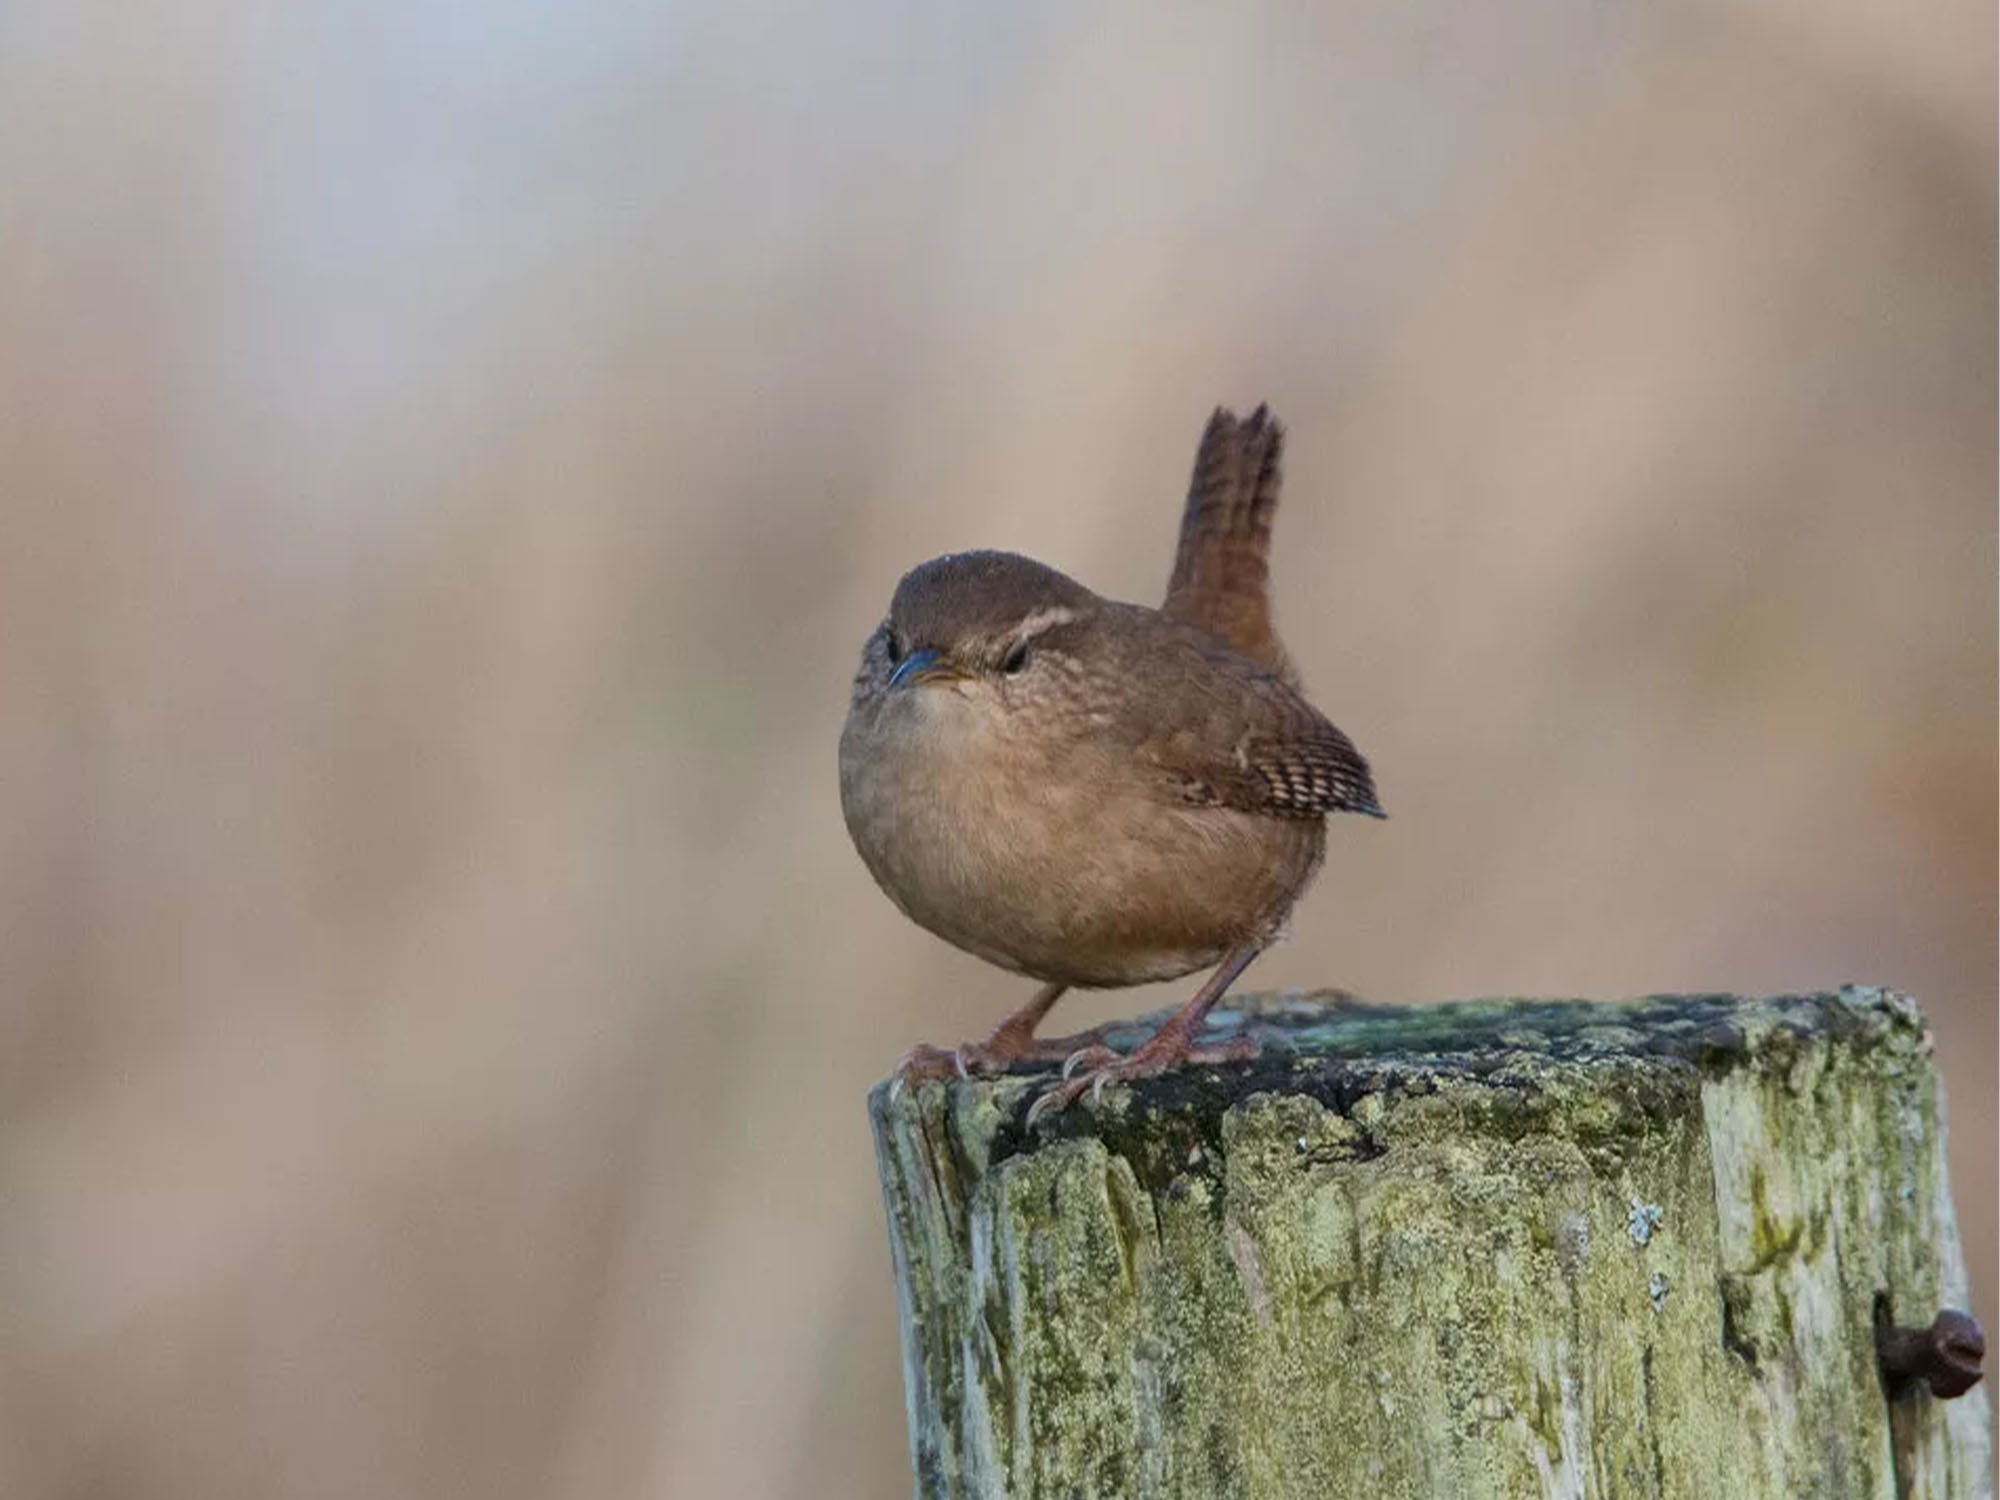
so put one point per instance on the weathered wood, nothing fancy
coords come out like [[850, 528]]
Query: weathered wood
[[1506, 1248]]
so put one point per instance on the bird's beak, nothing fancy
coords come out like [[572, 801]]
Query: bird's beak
[[922, 666]]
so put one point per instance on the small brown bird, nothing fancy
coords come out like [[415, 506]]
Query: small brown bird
[[1093, 793]]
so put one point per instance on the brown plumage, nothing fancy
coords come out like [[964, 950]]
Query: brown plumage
[[1096, 793], [1222, 565]]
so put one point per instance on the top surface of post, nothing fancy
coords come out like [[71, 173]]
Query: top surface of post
[[1332, 1046]]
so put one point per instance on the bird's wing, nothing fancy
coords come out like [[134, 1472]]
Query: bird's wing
[[1248, 740], [1221, 577]]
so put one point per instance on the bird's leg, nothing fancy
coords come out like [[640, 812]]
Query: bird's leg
[[1172, 1045], [1012, 1041]]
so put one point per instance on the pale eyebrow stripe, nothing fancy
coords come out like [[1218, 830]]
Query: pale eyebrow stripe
[[1044, 619]]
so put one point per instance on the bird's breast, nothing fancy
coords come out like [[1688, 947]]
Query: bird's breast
[[1061, 858]]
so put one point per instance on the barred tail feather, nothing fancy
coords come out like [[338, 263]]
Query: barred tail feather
[[1221, 577]]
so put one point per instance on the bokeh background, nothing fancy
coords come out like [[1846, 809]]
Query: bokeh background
[[452, 455]]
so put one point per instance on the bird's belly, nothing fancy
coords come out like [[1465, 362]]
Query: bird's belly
[[1086, 879]]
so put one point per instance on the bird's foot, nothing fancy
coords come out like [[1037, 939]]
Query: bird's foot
[[1089, 1070], [995, 1055], [923, 1062]]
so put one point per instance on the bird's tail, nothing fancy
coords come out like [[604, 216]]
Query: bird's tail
[[1221, 578]]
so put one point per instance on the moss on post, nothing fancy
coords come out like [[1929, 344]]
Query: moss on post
[[1505, 1248]]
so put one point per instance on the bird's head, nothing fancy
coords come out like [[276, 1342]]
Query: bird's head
[[991, 626]]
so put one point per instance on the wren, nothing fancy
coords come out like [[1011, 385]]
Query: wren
[[1092, 793]]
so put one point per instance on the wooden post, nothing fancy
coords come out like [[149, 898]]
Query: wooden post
[[1493, 1248]]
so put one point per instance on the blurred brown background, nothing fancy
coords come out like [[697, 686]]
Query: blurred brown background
[[453, 454]]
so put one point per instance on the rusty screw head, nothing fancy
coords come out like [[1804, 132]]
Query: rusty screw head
[[1946, 1356]]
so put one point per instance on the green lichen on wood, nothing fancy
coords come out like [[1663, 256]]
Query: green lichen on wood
[[1493, 1248]]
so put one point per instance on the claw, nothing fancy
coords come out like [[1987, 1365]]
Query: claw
[[919, 1063], [1047, 1102], [1060, 1096], [1099, 1056]]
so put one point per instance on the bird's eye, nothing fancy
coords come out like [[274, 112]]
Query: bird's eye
[[1016, 658], [894, 645]]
